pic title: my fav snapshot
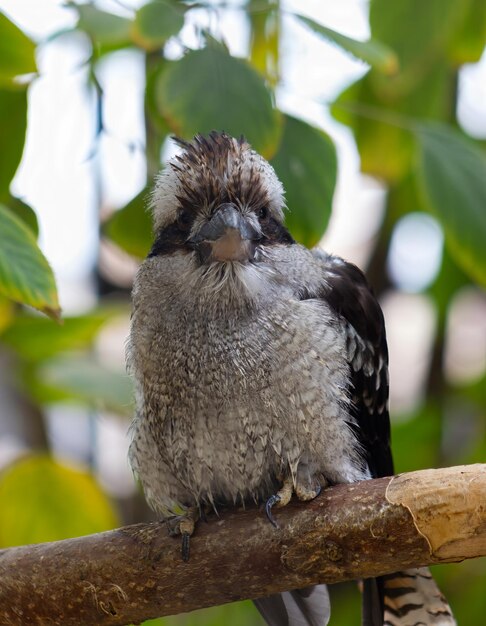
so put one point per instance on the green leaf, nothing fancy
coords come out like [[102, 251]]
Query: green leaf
[[452, 172], [16, 52], [464, 586], [25, 212], [385, 150], [35, 338], [450, 280], [7, 313], [13, 125], [381, 121], [43, 500], [375, 53], [420, 34], [131, 227], [156, 127], [209, 90], [306, 164], [84, 380], [468, 43], [237, 614], [264, 17], [25, 275], [106, 30], [155, 22], [420, 433]]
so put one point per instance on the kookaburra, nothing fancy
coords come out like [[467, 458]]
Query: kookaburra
[[260, 366]]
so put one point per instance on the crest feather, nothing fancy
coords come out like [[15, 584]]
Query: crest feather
[[210, 170]]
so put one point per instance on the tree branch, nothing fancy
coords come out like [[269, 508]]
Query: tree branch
[[350, 531]]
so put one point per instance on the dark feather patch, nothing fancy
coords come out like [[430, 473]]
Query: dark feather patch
[[274, 232], [346, 291], [350, 296], [170, 239]]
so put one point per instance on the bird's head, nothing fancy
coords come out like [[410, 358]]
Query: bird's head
[[218, 199]]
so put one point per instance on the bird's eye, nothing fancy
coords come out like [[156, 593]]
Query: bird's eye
[[184, 219], [262, 213]]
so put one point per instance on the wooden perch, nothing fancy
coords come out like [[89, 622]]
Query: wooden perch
[[350, 531]]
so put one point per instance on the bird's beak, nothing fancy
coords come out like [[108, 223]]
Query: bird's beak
[[228, 236]]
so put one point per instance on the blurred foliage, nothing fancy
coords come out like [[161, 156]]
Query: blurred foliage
[[35, 339], [55, 491], [193, 95], [155, 23], [131, 226], [238, 614], [452, 175], [13, 107], [374, 53], [84, 380], [16, 53], [403, 117], [25, 274], [306, 160]]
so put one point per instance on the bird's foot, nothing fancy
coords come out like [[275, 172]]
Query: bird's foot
[[281, 498], [305, 488], [308, 484], [184, 525], [306, 492]]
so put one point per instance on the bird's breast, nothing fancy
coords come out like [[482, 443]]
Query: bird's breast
[[231, 401]]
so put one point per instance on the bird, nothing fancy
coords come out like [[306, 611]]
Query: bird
[[260, 367]]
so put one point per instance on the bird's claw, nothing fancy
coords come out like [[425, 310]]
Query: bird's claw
[[271, 502], [281, 498]]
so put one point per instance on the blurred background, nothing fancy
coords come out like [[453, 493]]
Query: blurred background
[[373, 115]]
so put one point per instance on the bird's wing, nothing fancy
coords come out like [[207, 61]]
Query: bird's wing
[[386, 600], [346, 291]]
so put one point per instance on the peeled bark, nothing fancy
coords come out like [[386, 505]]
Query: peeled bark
[[350, 531]]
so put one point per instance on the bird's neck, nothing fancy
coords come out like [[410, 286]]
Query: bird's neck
[[230, 287]]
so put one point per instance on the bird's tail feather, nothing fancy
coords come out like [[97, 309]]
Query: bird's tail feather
[[372, 605], [301, 607], [409, 598], [412, 597]]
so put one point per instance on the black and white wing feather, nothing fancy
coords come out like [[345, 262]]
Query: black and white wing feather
[[345, 289], [347, 292]]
